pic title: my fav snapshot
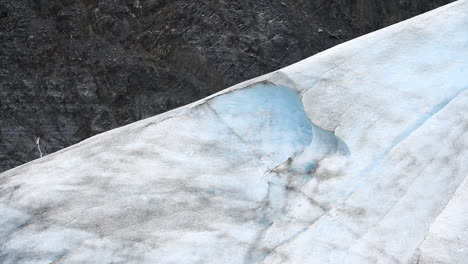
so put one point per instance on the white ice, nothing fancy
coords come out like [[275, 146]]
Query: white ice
[[355, 155]]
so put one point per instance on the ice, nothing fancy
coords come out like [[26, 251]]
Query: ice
[[355, 155], [270, 118]]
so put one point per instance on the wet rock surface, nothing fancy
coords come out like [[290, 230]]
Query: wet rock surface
[[73, 69]]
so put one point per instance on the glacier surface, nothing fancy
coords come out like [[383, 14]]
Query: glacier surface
[[356, 155]]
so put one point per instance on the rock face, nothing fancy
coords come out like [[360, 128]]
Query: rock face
[[355, 155], [72, 69]]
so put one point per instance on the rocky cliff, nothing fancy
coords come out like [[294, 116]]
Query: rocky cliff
[[72, 69]]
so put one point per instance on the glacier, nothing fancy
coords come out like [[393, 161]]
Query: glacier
[[355, 155]]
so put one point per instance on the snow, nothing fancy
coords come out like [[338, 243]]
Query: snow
[[355, 155]]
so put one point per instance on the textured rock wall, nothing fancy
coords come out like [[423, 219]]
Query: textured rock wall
[[72, 69], [370, 15]]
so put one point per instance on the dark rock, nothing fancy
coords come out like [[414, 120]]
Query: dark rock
[[70, 69]]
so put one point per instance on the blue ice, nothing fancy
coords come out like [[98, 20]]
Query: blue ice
[[270, 118]]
